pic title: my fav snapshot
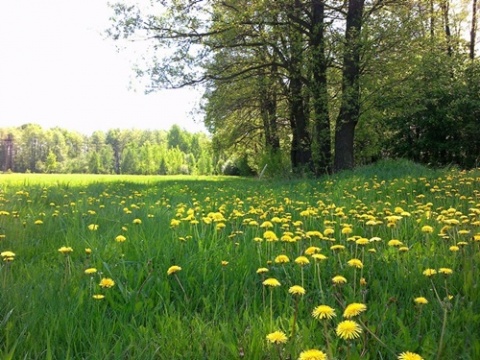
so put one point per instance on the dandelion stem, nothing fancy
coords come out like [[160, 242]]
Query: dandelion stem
[[279, 351], [339, 261], [376, 337], [294, 317], [327, 339], [317, 269], [354, 282], [436, 293], [444, 327], [271, 308], [181, 287]]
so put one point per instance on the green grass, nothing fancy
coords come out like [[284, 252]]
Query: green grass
[[213, 311]]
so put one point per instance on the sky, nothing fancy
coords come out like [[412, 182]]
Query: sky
[[58, 69]]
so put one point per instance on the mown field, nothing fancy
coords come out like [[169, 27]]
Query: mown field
[[379, 263]]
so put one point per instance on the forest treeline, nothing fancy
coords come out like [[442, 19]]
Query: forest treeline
[[30, 148], [318, 86]]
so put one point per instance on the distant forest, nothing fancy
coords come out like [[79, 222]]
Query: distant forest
[[30, 148]]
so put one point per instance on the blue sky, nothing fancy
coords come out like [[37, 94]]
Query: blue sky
[[57, 69]]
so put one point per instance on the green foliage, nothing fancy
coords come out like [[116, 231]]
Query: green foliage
[[238, 167], [275, 165], [51, 162]]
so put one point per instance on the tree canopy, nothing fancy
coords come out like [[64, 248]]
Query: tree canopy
[[318, 86]]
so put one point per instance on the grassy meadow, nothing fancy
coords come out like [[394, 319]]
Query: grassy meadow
[[377, 263]]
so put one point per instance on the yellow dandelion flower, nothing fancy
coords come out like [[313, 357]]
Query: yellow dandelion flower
[[337, 247], [338, 280], [106, 283], [173, 269], [277, 337], [224, 263], [328, 231], [347, 230], [302, 260], [120, 238], [270, 236], [312, 250], [313, 233], [354, 309], [287, 238], [296, 290], [363, 282], [38, 222], [323, 312], [362, 241], [403, 249], [272, 282], [65, 250], [7, 254], [98, 296], [420, 300], [394, 242], [88, 251], [348, 329], [407, 355], [90, 271], [454, 248], [262, 270], [319, 257], [282, 259], [266, 225], [137, 221], [174, 223], [429, 272], [355, 263], [312, 354], [93, 227], [427, 229], [445, 271]]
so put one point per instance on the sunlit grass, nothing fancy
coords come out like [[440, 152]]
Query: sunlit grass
[[369, 264]]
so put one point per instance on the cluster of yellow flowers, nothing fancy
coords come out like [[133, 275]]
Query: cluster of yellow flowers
[[294, 235]]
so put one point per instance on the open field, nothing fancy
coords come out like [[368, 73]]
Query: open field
[[229, 268]]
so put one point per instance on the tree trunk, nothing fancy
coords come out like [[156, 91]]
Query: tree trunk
[[300, 152], [350, 102], [321, 144], [473, 30], [301, 155], [432, 19], [268, 110], [446, 19]]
